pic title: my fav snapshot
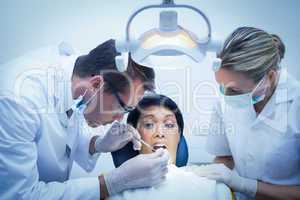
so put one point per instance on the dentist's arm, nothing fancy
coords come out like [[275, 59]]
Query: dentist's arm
[[250, 187], [267, 191], [90, 145], [103, 189], [92, 149], [144, 170], [19, 170], [226, 160]]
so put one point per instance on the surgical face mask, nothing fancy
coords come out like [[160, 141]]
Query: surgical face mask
[[79, 105], [246, 99]]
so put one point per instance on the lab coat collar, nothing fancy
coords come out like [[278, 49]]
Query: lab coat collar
[[274, 113], [283, 91], [65, 97]]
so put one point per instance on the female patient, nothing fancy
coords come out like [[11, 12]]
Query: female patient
[[160, 123]]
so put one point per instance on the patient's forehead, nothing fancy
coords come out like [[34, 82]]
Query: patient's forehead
[[157, 112]]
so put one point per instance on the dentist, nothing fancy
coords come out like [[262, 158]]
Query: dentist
[[44, 127], [255, 133]]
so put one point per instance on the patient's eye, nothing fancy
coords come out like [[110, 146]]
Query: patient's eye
[[170, 125], [148, 125]]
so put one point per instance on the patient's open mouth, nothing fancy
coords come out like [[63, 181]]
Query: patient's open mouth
[[158, 146]]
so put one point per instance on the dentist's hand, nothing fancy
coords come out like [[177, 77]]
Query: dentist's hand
[[117, 137], [144, 170], [221, 173]]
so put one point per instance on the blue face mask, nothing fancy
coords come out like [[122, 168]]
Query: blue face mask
[[79, 104], [244, 100]]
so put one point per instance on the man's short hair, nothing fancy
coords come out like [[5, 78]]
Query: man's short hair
[[101, 61]]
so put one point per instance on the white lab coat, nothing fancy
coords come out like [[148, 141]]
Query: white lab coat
[[34, 158], [269, 148]]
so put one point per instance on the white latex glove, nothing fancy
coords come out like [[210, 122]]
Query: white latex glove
[[117, 137], [221, 173], [144, 170]]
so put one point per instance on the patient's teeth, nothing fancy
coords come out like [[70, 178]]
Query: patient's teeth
[[157, 146]]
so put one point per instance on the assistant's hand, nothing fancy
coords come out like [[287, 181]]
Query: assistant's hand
[[117, 137], [144, 170], [221, 173]]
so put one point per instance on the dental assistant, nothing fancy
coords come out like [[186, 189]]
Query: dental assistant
[[255, 131], [44, 127]]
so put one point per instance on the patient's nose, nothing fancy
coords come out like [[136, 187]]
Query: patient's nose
[[159, 132]]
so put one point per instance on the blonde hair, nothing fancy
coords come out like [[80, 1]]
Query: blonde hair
[[252, 52]]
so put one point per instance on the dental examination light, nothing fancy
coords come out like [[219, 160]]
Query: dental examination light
[[169, 39]]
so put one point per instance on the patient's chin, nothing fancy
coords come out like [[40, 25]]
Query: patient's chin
[[146, 150]]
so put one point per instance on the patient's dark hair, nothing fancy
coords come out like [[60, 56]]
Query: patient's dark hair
[[156, 100], [101, 61]]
